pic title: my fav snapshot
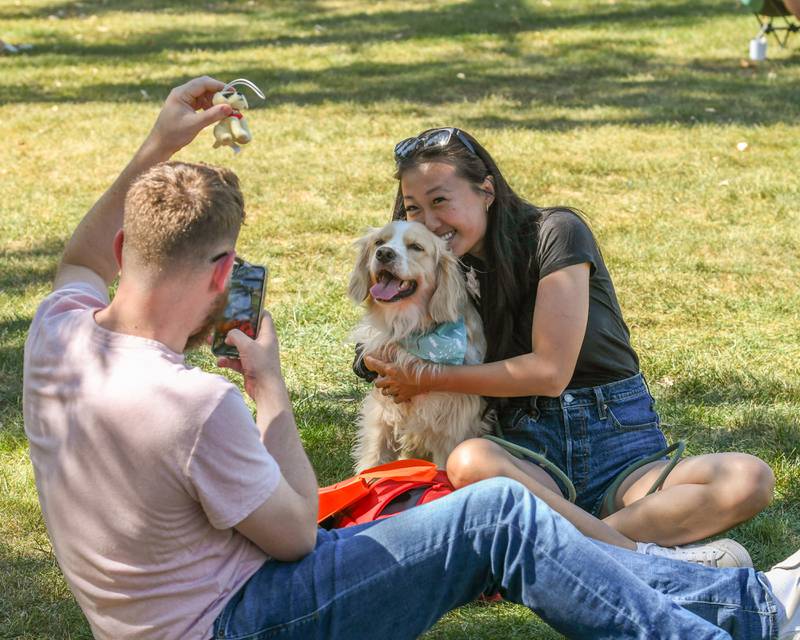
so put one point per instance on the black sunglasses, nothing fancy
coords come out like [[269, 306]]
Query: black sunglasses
[[432, 138], [220, 256]]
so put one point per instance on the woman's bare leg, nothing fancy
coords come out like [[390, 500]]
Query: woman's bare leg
[[702, 496], [478, 459]]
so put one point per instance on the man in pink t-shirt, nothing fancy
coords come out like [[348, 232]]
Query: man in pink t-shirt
[[174, 515], [161, 494]]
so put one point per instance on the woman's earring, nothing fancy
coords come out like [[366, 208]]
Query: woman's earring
[[490, 200]]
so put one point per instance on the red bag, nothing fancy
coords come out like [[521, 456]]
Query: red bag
[[381, 492], [384, 491]]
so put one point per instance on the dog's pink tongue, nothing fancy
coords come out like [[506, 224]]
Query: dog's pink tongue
[[385, 289]]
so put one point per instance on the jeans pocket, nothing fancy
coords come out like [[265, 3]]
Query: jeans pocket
[[634, 414], [513, 421]]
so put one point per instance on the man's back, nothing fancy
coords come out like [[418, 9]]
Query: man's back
[[141, 465]]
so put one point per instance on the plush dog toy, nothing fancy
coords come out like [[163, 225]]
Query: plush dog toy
[[233, 130]]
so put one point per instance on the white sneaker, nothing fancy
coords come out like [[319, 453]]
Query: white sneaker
[[724, 553], [784, 578]]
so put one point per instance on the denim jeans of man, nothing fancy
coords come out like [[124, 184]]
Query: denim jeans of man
[[396, 577]]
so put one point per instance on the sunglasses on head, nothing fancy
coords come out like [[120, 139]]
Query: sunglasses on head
[[432, 138]]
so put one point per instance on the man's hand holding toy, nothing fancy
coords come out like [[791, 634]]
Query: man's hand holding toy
[[187, 110]]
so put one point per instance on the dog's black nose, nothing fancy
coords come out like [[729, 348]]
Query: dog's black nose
[[385, 254]]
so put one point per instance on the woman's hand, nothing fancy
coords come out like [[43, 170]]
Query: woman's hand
[[398, 383]]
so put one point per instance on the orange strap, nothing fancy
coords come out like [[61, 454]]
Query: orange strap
[[334, 498]]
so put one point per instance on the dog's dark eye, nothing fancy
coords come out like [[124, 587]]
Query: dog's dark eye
[[379, 242], [415, 247]]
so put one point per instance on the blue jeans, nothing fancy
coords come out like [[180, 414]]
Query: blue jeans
[[591, 434], [396, 577]]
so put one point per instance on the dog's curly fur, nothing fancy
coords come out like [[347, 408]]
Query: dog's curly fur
[[431, 425]]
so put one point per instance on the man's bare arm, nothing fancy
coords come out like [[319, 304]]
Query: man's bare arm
[[89, 253], [285, 525]]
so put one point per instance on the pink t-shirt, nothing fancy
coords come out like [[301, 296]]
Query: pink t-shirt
[[143, 464]]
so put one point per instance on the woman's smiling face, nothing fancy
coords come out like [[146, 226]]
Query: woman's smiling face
[[450, 206]]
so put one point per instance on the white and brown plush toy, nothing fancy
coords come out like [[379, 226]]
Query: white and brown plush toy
[[233, 130]]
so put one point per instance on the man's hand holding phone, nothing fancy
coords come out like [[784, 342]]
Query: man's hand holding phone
[[259, 360]]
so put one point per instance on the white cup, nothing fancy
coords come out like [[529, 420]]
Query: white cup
[[758, 49]]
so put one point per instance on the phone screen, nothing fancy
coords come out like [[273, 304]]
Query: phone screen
[[243, 311]]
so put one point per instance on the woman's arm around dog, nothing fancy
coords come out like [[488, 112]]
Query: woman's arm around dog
[[559, 325]]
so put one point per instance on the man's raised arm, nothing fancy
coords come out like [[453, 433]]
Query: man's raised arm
[[89, 255]]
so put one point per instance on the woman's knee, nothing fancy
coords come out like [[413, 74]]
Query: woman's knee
[[474, 460], [747, 485]]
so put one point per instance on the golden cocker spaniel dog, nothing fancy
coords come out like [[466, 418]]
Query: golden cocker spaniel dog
[[418, 315]]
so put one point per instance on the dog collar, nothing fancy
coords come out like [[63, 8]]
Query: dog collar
[[446, 344]]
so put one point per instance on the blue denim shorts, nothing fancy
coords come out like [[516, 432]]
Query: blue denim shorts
[[591, 434]]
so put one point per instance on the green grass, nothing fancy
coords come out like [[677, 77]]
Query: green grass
[[628, 109]]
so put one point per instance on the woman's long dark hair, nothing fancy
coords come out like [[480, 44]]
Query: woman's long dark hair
[[508, 276]]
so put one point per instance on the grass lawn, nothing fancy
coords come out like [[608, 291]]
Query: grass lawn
[[630, 110]]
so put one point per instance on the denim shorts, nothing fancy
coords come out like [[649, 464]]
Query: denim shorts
[[591, 434]]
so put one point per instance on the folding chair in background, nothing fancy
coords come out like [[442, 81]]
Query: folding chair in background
[[773, 18]]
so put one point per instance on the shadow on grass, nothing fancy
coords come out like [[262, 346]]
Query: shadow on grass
[[723, 386], [453, 20], [21, 268], [629, 73], [12, 339], [763, 433], [657, 93], [327, 424], [766, 421], [36, 598], [85, 8]]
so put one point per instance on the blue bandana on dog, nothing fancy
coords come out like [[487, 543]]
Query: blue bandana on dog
[[446, 344]]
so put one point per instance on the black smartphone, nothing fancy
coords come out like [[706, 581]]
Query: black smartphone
[[243, 311]]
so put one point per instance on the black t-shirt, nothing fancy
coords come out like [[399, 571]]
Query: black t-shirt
[[606, 354]]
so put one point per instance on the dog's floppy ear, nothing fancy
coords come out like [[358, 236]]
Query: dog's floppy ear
[[358, 289], [449, 295]]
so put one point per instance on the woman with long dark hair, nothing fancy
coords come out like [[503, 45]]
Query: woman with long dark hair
[[574, 415]]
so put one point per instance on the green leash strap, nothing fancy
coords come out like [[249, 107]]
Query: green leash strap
[[679, 447], [608, 500], [537, 458]]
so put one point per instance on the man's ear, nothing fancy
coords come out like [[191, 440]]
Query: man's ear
[[222, 272], [119, 240]]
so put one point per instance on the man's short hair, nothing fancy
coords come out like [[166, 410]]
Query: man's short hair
[[176, 213]]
